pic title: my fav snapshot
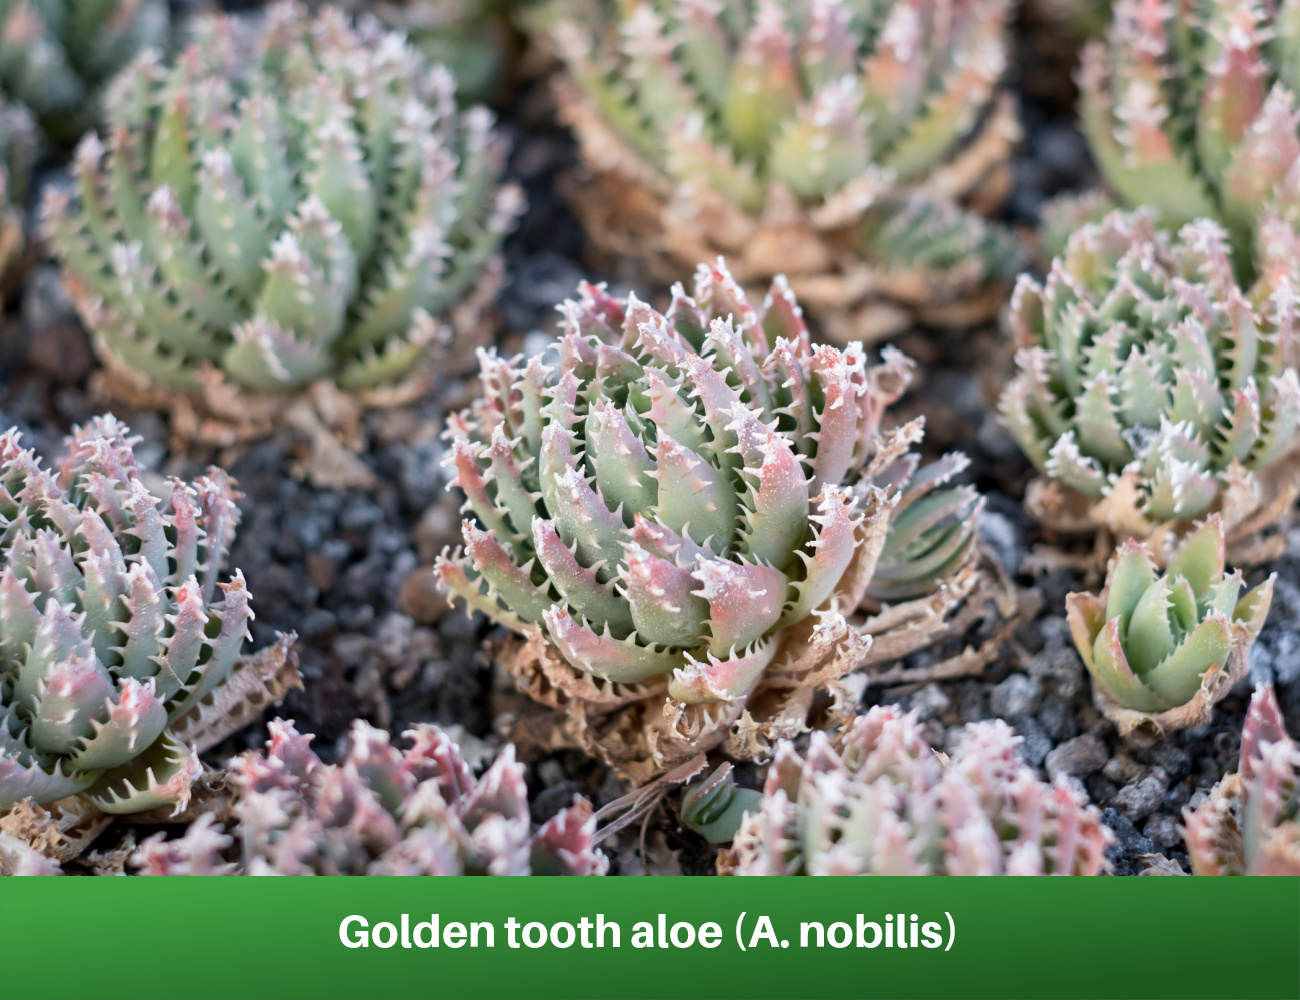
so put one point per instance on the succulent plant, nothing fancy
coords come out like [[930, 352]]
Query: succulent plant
[[830, 142], [17, 146], [683, 504], [887, 804], [1190, 108], [119, 647], [56, 55], [1250, 823], [275, 210], [1163, 648], [381, 811], [1152, 389]]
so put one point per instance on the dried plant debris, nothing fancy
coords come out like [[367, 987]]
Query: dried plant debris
[[834, 142], [120, 647], [306, 204], [683, 508], [1152, 389], [1162, 649], [381, 811]]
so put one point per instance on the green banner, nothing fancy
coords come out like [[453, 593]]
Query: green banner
[[138, 938]]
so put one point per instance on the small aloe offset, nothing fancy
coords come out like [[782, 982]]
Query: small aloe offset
[[380, 811], [117, 639], [827, 141], [886, 804], [1163, 648], [57, 55], [1152, 389], [1250, 823], [297, 206], [1191, 108]]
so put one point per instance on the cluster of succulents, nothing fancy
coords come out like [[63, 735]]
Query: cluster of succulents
[[831, 142], [1191, 110], [683, 505], [886, 804], [381, 811], [57, 55], [1163, 648], [1250, 822], [302, 205], [1152, 389], [17, 147], [119, 644]]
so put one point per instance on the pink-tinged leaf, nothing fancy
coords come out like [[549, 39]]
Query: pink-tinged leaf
[[58, 639], [473, 483], [1264, 724], [512, 495], [665, 543], [435, 757], [511, 583], [622, 661], [730, 352], [19, 781], [19, 618], [185, 549], [784, 772], [579, 586], [788, 372], [672, 415], [379, 765], [660, 596], [70, 699], [185, 643], [579, 513], [1267, 795], [565, 844], [837, 419], [718, 400], [836, 527], [143, 628], [745, 600], [454, 569], [224, 648], [1086, 616], [622, 466], [776, 521], [220, 517], [783, 320], [692, 492], [133, 723], [725, 679]]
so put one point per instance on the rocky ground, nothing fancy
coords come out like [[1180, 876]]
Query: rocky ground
[[348, 570]]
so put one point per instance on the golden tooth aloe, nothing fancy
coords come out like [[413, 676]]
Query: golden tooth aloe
[[119, 645], [886, 804], [268, 211], [834, 142], [1162, 649], [682, 509], [1152, 389]]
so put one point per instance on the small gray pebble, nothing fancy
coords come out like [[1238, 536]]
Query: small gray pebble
[[929, 702], [1140, 799], [1019, 694], [1079, 757]]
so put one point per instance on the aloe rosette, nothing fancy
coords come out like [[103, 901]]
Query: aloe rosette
[[1250, 822], [275, 208], [680, 507], [886, 804], [837, 142], [1152, 389], [56, 56], [119, 644], [379, 811], [1191, 109], [1163, 648]]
